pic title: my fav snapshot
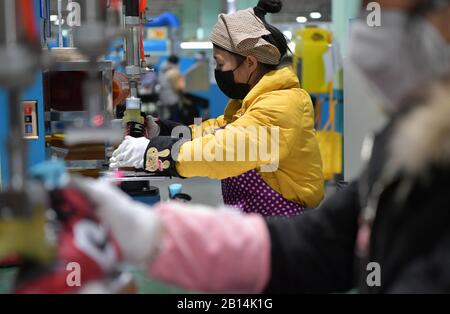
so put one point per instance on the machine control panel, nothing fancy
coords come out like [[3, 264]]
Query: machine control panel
[[30, 120]]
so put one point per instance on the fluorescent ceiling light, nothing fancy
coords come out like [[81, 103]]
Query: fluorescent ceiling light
[[302, 19], [196, 45], [316, 15], [53, 18]]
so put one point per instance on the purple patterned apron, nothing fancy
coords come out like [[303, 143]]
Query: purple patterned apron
[[249, 193]]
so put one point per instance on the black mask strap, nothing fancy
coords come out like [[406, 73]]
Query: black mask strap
[[250, 77]]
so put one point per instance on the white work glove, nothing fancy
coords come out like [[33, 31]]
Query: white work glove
[[136, 227], [153, 129], [130, 153]]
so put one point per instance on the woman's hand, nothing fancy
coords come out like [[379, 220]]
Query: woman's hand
[[130, 153]]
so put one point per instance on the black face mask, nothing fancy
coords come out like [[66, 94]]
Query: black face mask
[[227, 84]]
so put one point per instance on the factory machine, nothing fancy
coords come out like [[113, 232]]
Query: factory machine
[[72, 106], [22, 202], [65, 97], [58, 119]]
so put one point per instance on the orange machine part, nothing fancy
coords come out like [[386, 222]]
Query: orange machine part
[[121, 89]]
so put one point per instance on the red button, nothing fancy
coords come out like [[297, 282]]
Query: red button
[[28, 110]]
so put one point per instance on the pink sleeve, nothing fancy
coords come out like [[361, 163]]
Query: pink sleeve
[[213, 251]]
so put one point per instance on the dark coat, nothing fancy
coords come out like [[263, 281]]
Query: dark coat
[[404, 195]]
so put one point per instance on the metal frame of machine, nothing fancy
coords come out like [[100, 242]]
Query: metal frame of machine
[[24, 203]]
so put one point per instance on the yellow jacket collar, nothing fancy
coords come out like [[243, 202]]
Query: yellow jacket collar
[[280, 79]]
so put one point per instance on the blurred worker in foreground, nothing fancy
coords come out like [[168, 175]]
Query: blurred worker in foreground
[[264, 147], [172, 86], [394, 220]]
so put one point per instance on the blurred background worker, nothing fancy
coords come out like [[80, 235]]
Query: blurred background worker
[[172, 86], [393, 221], [272, 164]]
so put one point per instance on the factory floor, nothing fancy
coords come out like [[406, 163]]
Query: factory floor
[[203, 191], [208, 192]]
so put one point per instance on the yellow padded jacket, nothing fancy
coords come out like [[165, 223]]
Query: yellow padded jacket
[[276, 101]]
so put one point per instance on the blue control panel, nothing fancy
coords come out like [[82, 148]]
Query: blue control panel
[[33, 126], [33, 118]]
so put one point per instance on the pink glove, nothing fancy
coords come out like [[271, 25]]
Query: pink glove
[[212, 250]]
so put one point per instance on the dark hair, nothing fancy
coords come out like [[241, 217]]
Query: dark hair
[[174, 59], [276, 37]]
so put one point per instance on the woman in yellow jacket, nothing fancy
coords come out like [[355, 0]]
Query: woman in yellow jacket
[[264, 147]]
